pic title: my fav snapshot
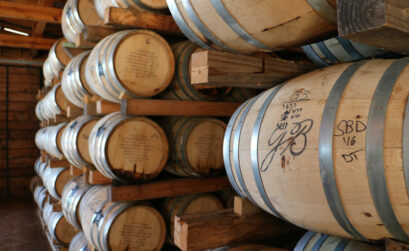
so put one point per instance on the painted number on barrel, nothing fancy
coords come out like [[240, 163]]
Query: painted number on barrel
[[348, 130]]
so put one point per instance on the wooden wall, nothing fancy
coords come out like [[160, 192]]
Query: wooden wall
[[23, 85]]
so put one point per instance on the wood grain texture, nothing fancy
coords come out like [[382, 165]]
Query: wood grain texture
[[381, 23], [167, 188], [31, 12]]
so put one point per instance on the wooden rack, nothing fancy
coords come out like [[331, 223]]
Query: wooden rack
[[246, 223], [156, 107]]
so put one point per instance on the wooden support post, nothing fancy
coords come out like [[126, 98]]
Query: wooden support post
[[90, 105], [156, 107], [381, 23], [74, 171], [167, 188], [141, 19], [217, 68], [217, 229]]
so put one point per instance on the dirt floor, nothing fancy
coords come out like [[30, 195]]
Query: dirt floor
[[20, 228]]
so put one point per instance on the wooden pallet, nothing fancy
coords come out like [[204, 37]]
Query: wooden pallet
[[246, 223]]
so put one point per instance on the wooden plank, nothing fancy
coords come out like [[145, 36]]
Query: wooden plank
[[381, 23], [167, 188], [31, 12], [26, 42], [244, 207], [155, 107], [140, 19], [59, 163], [96, 178], [217, 68], [95, 33], [392, 245], [208, 230], [74, 111], [74, 171]]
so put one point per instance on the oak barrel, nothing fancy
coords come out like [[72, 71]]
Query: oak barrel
[[196, 145], [141, 5], [119, 226], [73, 82], [48, 139], [245, 26], [40, 194], [56, 61], [138, 63], [338, 49], [76, 15], [181, 88], [54, 179], [127, 148], [327, 151], [188, 204], [316, 241], [39, 167], [74, 140], [71, 198], [79, 243], [54, 103], [58, 227]]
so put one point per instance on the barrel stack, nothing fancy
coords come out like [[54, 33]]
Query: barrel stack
[[207, 124]]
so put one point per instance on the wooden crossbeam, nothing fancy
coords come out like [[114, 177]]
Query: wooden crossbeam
[[39, 27], [167, 188], [26, 42], [30, 12]]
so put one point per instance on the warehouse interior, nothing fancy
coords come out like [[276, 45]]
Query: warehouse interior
[[218, 125]]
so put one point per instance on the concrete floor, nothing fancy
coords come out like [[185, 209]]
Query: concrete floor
[[20, 228]]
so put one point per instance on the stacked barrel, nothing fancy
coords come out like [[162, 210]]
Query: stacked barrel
[[300, 150]]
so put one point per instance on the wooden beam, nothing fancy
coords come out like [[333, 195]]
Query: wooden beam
[[94, 177], [392, 245], [217, 68], [39, 27], [381, 23], [167, 188], [156, 107], [202, 231], [26, 42], [141, 19], [30, 12]]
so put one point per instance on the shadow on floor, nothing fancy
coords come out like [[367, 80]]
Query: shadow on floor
[[20, 228]]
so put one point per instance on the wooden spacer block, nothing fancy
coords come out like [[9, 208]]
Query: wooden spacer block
[[243, 207]]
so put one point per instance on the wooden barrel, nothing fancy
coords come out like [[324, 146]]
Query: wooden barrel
[[58, 227], [56, 61], [54, 179], [40, 194], [241, 94], [316, 241], [128, 148], [117, 226], [181, 88], [49, 139], [242, 26], [138, 63], [338, 49], [327, 150], [52, 104], [74, 140], [196, 145], [71, 198], [73, 82], [142, 5], [39, 167], [79, 243], [76, 15], [188, 204]]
